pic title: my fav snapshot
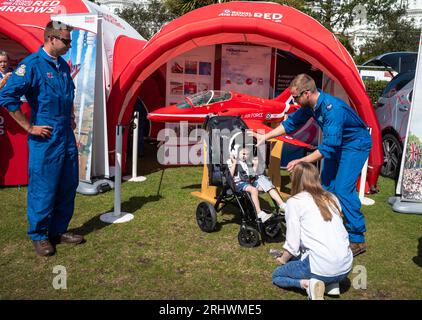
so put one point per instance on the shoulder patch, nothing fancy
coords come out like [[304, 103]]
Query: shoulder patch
[[21, 70], [329, 107]]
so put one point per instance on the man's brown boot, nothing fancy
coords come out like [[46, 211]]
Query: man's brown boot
[[43, 248], [358, 248], [69, 238]]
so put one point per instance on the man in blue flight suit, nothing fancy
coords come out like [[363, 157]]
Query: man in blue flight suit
[[44, 78], [345, 147]]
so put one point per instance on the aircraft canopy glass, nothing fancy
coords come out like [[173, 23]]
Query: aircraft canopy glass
[[204, 98]]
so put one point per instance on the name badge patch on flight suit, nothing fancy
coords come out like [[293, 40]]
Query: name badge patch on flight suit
[[21, 70]]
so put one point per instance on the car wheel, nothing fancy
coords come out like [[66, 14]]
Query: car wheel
[[393, 151]]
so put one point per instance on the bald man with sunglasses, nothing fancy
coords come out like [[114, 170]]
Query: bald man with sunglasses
[[345, 147]]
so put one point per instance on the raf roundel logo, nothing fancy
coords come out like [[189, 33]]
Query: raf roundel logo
[[21, 70], [50, 75]]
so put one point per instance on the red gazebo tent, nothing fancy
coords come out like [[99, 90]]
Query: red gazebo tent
[[21, 32], [261, 23]]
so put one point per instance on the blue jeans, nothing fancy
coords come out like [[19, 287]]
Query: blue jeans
[[290, 274]]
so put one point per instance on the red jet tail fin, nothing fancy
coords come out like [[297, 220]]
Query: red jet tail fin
[[256, 125], [286, 97]]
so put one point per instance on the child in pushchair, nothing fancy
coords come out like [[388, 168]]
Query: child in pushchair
[[228, 151], [244, 168]]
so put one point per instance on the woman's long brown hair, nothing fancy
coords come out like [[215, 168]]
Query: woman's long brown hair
[[305, 177]]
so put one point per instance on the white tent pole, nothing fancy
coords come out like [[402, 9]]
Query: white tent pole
[[134, 178], [117, 216], [118, 171], [135, 146], [363, 200]]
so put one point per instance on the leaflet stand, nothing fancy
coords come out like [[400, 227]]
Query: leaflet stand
[[402, 206], [95, 187]]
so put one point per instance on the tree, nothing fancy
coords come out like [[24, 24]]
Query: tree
[[147, 21], [396, 34], [385, 16], [338, 16]]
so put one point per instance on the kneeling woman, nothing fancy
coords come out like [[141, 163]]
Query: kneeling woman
[[317, 249]]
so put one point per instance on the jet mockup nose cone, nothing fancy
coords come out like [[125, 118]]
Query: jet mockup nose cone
[[166, 114]]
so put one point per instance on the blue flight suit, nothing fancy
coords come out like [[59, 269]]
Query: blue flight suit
[[345, 146], [53, 162]]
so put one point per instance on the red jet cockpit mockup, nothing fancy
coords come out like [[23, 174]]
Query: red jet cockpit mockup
[[254, 111]]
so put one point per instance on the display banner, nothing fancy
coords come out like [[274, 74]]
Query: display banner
[[187, 74], [82, 61], [246, 69], [288, 66], [190, 73], [411, 170]]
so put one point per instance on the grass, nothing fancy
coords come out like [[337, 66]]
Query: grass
[[162, 254]]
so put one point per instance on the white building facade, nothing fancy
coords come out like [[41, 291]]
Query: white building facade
[[414, 11], [362, 29], [113, 5]]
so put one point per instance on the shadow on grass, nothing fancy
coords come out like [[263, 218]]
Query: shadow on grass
[[136, 203], [345, 285], [236, 218], [130, 206], [193, 186], [148, 163], [235, 211], [418, 258]]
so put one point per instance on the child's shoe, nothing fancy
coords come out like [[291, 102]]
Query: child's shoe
[[315, 289], [264, 216]]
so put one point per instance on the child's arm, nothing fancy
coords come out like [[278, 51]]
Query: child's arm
[[232, 167], [255, 164]]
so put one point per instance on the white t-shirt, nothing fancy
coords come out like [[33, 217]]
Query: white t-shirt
[[248, 169], [326, 242]]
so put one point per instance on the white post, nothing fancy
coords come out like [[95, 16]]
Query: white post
[[134, 178], [117, 216], [363, 200]]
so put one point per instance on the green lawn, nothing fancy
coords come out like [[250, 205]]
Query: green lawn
[[162, 254]]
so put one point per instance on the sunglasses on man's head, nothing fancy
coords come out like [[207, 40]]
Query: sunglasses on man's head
[[66, 42]]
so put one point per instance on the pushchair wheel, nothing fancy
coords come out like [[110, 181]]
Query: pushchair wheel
[[273, 230], [206, 216], [248, 236]]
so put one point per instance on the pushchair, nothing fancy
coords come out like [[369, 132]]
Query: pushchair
[[221, 133]]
